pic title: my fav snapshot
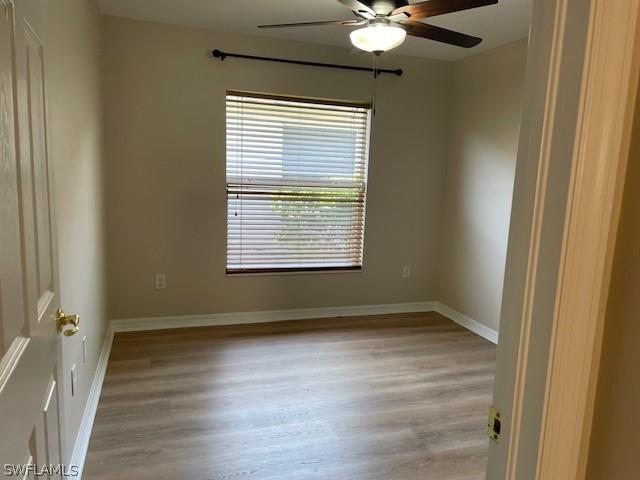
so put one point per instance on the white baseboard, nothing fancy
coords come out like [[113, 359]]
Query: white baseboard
[[217, 319], [86, 425], [239, 318], [467, 322]]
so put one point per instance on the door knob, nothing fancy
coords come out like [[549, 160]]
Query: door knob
[[63, 319]]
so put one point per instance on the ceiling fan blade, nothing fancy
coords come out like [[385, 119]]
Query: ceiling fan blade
[[431, 8], [439, 34], [359, 8], [315, 24]]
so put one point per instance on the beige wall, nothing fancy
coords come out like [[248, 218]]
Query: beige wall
[[485, 122], [615, 443], [76, 142], [166, 171]]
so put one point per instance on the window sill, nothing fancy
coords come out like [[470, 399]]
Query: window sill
[[291, 271]]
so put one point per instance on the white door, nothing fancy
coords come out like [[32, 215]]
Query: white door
[[30, 391], [552, 91]]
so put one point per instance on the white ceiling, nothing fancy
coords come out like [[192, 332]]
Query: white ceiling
[[496, 24]]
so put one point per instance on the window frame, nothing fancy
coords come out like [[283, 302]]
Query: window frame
[[308, 269]]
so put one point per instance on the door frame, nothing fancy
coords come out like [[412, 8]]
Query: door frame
[[609, 90], [571, 168]]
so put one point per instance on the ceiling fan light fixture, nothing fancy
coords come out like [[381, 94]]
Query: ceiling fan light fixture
[[378, 37]]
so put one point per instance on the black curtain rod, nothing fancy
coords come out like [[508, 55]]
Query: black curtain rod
[[222, 55]]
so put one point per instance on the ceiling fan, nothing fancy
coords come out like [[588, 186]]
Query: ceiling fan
[[387, 22]]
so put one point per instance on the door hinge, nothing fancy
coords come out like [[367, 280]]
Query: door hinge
[[494, 424]]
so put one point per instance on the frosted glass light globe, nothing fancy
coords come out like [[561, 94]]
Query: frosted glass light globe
[[378, 37]]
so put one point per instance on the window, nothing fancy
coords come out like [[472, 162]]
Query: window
[[296, 183]]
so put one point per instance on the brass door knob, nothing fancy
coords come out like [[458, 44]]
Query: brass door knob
[[63, 319]]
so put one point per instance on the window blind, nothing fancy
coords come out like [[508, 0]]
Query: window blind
[[296, 183]]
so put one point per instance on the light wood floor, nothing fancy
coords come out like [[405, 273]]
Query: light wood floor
[[397, 397]]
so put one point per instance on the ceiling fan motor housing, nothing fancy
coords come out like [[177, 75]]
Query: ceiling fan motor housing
[[384, 7]]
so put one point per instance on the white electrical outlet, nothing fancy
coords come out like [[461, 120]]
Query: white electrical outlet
[[84, 349], [73, 379], [406, 272], [161, 281]]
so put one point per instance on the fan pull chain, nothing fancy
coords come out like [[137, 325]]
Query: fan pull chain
[[374, 89]]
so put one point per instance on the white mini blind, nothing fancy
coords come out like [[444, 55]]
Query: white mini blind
[[296, 183]]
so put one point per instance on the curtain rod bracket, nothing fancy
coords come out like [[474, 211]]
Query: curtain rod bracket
[[222, 55]]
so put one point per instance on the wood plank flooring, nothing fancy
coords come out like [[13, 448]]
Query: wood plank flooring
[[395, 397]]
